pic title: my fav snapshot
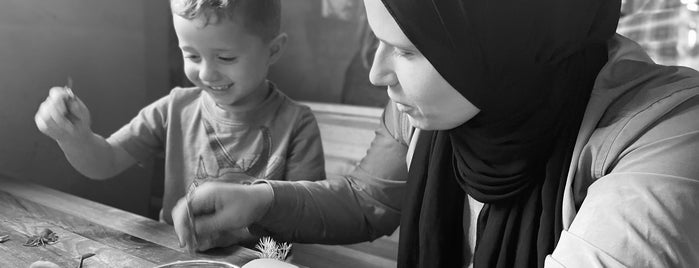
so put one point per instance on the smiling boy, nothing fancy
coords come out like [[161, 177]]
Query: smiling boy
[[233, 126]]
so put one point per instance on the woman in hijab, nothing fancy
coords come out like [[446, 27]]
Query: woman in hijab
[[533, 135]]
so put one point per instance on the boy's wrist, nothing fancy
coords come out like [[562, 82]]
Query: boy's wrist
[[75, 141]]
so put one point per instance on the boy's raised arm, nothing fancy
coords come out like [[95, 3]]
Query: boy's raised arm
[[96, 158]]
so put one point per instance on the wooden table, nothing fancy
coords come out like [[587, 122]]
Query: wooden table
[[120, 238]]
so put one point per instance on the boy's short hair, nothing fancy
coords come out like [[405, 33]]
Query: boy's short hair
[[260, 17]]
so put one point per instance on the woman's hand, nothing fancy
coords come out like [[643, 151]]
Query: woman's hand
[[221, 212]]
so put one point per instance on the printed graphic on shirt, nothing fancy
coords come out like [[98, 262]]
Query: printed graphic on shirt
[[226, 167]]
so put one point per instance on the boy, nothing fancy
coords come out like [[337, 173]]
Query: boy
[[233, 126]]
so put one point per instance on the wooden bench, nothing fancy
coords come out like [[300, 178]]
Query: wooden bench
[[346, 132]]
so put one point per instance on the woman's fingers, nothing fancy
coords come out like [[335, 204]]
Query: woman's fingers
[[204, 243], [203, 199], [184, 231], [206, 214], [220, 212], [183, 226], [181, 222], [221, 206], [208, 224], [224, 238]]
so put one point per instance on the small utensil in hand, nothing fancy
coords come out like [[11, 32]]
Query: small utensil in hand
[[69, 88], [71, 95], [192, 244]]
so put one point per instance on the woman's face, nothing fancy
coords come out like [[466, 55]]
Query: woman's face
[[413, 83]]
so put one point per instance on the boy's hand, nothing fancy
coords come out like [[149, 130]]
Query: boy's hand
[[63, 116], [221, 211]]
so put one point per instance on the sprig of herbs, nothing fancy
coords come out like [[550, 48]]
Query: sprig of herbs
[[270, 249]]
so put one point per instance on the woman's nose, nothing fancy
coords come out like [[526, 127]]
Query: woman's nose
[[208, 73], [382, 73]]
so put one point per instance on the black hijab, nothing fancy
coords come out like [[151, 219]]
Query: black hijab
[[529, 66]]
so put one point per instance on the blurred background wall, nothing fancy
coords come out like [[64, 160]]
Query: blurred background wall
[[329, 54], [115, 51], [666, 29]]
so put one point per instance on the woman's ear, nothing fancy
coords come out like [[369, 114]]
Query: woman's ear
[[276, 47]]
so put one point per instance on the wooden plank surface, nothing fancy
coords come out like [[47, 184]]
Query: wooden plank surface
[[118, 238], [122, 239], [79, 236]]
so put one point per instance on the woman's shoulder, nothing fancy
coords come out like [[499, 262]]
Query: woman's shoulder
[[638, 130], [638, 170], [632, 84], [649, 87], [656, 97]]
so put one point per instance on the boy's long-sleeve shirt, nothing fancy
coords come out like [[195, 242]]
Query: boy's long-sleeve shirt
[[630, 197], [277, 140]]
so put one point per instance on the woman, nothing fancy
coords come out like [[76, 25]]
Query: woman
[[541, 140]]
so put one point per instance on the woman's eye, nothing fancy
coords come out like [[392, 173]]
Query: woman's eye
[[402, 53], [227, 59]]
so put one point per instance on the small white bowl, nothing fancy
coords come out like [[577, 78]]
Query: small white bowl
[[197, 264]]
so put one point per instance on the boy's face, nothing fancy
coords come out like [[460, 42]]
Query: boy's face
[[225, 60]]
